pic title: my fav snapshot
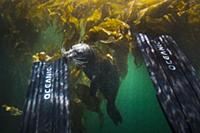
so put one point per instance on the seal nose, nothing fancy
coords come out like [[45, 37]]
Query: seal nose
[[67, 54], [63, 51], [70, 53]]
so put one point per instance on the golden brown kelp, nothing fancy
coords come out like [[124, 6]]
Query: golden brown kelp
[[80, 19], [14, 111]]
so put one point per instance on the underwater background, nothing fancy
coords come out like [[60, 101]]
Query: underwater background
[[28, 27]]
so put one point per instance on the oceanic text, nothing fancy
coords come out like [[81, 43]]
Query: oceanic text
[[48, 83]]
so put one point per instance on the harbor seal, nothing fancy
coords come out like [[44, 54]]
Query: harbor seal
[[102, 73]]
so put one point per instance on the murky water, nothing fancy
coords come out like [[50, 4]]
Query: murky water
[[15, 70]]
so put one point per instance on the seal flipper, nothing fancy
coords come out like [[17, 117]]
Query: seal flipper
[[93, 87], [114, 113]]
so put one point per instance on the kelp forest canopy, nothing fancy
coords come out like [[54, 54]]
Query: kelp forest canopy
[[108, 25]]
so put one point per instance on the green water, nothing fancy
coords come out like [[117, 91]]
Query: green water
[[49, 40], [138, 105]]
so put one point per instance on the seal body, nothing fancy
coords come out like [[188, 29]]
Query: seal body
[[102, 73]]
